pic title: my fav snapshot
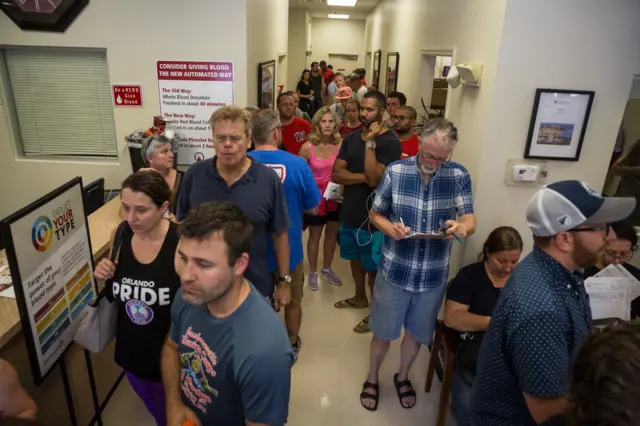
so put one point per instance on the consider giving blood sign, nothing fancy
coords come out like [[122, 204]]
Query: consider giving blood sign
[[51, 266], [189, 93]]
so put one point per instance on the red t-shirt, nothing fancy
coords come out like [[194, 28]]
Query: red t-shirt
[[295, 134], [328, 76], [345, 130], [410, 147]]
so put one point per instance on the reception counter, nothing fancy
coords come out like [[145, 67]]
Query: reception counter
[[49, 396]]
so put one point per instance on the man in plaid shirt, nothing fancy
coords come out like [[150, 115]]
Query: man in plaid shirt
[[416, 196]]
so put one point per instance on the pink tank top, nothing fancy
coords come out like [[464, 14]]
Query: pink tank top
[[321, 169]]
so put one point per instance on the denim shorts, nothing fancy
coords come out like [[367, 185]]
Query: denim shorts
[[393, 308]]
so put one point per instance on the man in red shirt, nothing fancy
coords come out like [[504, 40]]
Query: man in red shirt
[[327, 72], [294, 130], [403, 122]]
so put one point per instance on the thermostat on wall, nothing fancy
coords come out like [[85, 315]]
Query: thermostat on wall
[[525, 172]]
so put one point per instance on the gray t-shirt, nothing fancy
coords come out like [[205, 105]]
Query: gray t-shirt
[[260, 195], [235, 368]]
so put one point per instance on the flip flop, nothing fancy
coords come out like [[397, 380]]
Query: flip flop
[[363, 326], [367, 395], [405, 394], [346, 304]]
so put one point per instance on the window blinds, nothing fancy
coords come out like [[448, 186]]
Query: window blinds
[[62, 100]]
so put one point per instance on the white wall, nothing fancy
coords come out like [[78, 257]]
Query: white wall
[[337, 36], [296, 53], [469, 28], [267, 34], [136, 35], [543, 45]]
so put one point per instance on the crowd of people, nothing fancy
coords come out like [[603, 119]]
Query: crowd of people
[[218, 250]]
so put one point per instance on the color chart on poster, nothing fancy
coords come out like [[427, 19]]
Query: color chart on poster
[[189, 93], [51, 265]]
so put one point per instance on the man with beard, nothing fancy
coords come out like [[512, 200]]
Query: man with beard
[[233, 176], [543, 314], [404, 120], [227, 360], [295, 131], [361, 161], [422, 194]]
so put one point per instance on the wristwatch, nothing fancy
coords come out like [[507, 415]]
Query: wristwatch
[[286, 279], [371, 145]]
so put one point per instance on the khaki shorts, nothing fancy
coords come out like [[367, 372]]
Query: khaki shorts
[[297, 284]]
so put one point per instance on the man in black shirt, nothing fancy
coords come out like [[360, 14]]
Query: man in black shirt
[[317, 82], [361, 162]]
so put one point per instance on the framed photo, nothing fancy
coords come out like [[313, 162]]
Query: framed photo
[[558, 124], [377, 57], [266, 84], [393, 61]]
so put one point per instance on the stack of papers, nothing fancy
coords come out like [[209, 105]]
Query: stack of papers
[[611, 292], [6, 284]]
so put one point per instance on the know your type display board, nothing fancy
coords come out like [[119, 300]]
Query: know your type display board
[[189, 93], [51, 263]]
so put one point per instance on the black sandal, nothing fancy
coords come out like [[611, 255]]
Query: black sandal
[[367, 395], [401, 395]]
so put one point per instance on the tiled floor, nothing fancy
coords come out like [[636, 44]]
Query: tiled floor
[[328, 376]]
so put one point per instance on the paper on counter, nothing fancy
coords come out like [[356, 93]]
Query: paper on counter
[[6, 287], [609, 297], [619, 271]]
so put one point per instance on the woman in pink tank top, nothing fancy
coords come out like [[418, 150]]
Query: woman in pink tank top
[[320, 152]]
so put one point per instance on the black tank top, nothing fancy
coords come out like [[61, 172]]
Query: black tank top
[[144, 294]]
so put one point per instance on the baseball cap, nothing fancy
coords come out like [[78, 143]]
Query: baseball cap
[[567, 204], [344, 93]]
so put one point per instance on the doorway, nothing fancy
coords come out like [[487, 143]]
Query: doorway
[[432, 87]]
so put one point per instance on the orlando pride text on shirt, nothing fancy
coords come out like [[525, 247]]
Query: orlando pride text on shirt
[[139, 297]]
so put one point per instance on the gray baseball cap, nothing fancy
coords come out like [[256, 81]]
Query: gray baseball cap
[[567, 204]]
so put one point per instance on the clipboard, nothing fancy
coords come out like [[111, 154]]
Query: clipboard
[[426, 236]]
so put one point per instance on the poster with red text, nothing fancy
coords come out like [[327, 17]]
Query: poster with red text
[[189, 93]]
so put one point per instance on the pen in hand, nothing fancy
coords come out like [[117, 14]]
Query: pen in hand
[[445, 226]]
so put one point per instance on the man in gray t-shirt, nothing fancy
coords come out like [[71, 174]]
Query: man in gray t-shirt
[[228, 359]]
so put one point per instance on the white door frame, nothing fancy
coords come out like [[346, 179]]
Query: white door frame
[[442, 51]]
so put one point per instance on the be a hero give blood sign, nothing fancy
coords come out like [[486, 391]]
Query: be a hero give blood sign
[[129, 95]]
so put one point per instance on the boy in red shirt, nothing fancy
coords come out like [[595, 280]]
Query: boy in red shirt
[[403, 122], [294, 130]]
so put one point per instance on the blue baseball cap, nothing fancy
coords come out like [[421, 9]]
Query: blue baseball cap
[[565, 205]]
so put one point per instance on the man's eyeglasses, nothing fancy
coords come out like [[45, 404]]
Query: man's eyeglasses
[[398, 118], [600, 228], [431, 158], [622, 256]]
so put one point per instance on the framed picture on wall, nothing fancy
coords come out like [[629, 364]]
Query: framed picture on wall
[[266, 84], [377, 57], [393, 61], [558, 124]]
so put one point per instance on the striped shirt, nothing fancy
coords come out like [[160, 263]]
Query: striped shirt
[[403, 195]]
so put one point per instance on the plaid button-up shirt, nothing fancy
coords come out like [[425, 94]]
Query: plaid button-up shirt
[[403, 195]]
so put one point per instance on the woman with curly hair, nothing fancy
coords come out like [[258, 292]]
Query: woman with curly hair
[[320, 152]]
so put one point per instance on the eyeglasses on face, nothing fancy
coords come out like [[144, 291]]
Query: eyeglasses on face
[[431, 158], [622, 256], [600, 228], [398, 118]]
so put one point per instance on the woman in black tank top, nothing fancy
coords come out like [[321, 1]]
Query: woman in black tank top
[[144, 283]]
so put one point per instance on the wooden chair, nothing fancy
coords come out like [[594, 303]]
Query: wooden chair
[[441, 338]]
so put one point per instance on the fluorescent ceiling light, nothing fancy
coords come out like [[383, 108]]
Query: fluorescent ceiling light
[[338, 16], [345, 3]]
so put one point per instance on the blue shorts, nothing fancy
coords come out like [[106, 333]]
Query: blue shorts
[[359, 244], [393, 308]]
